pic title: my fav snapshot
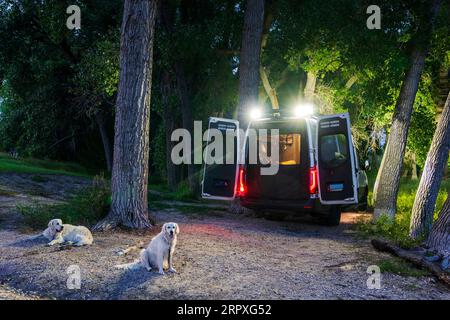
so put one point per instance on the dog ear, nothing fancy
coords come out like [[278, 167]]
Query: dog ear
[[177, 229], [164, 227]]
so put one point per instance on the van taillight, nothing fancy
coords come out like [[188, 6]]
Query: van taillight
[[241, 188], [313, 181]]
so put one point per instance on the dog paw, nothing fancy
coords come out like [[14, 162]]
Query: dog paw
[[172, 270], [161, 272]]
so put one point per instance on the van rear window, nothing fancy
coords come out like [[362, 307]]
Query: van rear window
[[333, 150], [289, 147]]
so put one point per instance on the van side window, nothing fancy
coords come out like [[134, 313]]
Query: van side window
[[290, 149], [333, 150]]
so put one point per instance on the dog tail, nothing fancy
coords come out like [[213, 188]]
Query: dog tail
[[130, 266]]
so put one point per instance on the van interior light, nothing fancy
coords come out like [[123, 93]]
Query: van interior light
[[304, 109], [255, 113]]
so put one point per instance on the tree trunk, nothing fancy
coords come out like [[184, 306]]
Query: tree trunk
[[310, 87], [167, 17], [414, 175], [250, 59], [425, 201], [188, 123], [169, 126], [99, 118], [439, 238], [129, 205], [249, 69], [388, 177]]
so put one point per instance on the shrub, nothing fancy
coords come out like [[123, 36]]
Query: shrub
[[86, 207]]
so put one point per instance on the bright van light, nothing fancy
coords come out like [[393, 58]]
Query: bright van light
[[255, 113], [304, 109]]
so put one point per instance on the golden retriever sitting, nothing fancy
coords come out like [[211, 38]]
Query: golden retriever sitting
[[159, 253], [59, 233]]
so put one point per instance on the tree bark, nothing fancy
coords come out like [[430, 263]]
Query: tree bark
[[129, 205], [414, 175], [433, 171], [388, 177], [188, 123], [310, 87], [100, 119], [169, 126], [439, 238], [250, 59], [249, 69], [182, 86]]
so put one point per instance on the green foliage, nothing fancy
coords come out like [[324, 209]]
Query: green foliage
[[85, 207], [400, 267], [160, 192], [30, 165]]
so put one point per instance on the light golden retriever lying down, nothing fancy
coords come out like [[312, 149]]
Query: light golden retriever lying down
[[59, 233], [159, 253]]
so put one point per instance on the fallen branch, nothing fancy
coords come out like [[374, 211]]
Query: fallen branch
[[416, 259]]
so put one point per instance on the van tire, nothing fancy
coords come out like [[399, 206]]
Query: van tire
[[332, 217]]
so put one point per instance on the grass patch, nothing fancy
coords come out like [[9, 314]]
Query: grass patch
[[397, 231], [30, 165], [400, 267], [86, 207], [182, 193]]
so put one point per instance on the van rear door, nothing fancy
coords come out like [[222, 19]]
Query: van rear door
[[220, 170], [336, 160]]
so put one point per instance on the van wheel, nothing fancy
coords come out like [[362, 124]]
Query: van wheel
[[332, 217]]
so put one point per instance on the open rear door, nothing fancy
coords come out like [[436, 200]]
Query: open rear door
[[336, 160], [220, 176]]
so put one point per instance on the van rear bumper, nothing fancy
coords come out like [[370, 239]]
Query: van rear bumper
[[291, 205]]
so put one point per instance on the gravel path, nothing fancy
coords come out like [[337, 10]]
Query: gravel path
[[219, 256]]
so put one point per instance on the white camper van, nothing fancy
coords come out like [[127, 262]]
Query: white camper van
[[318, 170]]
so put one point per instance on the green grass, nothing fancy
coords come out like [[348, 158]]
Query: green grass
[[35, 166], [86, 207], [182, 193], [400, 267], [397, 231]]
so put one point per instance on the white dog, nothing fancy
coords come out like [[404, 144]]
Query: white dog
[[159, 253], [59, 233]]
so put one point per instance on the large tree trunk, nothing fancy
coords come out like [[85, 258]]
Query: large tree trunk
[[188, 123], [167, 17], [388, 177], [169, 126], [439, 238], [129, 205], [425, 201], [249, 69], [100, 119], [250, 59]]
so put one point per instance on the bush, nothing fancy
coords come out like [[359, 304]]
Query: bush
[[85, 208]]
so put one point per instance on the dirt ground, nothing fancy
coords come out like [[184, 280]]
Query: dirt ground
[[219, 256]]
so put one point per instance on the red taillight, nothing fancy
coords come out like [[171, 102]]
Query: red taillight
[[241, 189], [313, 181]]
